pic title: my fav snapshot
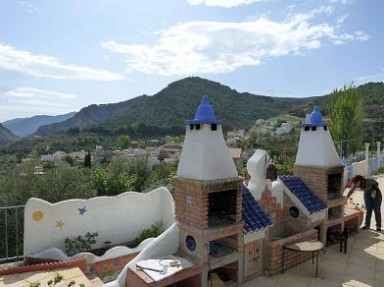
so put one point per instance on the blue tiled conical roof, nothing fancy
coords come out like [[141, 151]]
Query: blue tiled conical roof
[[204, 114]]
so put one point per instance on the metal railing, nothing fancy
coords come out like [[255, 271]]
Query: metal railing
[[11, 233]]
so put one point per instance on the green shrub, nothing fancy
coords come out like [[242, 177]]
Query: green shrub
[[155, 230], [284, 169], [380, 170], [80, 243]]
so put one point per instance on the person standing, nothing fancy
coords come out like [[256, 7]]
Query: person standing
[[372, 199]]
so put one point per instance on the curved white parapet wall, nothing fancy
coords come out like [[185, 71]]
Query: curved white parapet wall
[[117, 219], [165, 244], [118, 251]]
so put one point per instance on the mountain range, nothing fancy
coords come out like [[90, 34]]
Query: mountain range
[[167, 110], [23, 127], [164, 113]]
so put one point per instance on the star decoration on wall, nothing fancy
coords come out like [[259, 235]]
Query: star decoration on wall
[[59, 224], [82, 210]]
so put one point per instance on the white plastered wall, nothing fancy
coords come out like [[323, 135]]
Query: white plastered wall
[[117, 219], [361, 168]]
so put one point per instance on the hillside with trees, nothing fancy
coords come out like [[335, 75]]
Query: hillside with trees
[[164, 113], [148, 117], [372, 95], [6, 136], [88, 117], [179, 100], [373, 103]]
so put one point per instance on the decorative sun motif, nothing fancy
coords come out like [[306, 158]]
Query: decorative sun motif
[[38, 215]]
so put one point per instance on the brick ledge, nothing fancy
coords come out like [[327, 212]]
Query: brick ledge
[[78, 262]]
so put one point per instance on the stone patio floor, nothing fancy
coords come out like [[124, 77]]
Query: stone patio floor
[[362, 266]]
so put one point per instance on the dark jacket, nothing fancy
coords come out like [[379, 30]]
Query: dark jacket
[[371, 188]]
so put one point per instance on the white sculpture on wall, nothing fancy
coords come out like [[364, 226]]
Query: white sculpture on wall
[[257, 169]]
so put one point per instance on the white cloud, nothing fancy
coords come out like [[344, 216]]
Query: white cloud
[[378, 77], [28, 101], [28, 93], [340, 20], [223, 3], [49, 67], [345, 2], [344, 38], [221, 47], [30, 7]]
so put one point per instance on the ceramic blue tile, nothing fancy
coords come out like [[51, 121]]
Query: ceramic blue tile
[[303, 193], [254, 217]]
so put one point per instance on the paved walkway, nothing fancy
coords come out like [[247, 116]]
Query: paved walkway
[[362, 266]]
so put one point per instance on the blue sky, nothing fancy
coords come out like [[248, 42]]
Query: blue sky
[[60, 56]]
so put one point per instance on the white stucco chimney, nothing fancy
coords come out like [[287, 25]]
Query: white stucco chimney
[[316, 146], [205, 155]]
